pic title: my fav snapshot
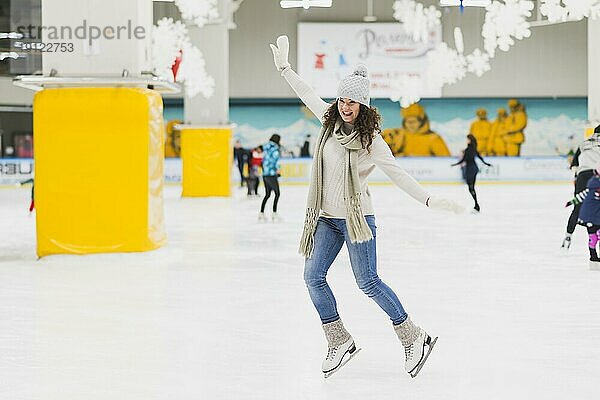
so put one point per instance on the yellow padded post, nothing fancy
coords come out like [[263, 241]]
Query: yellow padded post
[[589, 131], [99, 156], [206, 155]]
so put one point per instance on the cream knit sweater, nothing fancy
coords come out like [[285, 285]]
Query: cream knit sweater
[[333, 205]]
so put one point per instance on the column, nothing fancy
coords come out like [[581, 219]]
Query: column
[[593, 55], [213, 42], [107, 36]]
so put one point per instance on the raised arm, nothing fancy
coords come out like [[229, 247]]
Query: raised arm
[[308, 96], [302, 89]]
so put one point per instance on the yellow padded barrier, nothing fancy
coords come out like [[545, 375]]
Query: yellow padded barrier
[[206, 155], [589, 131], [99, 156]]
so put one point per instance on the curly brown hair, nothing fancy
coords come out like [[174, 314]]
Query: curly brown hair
[[367, 122]]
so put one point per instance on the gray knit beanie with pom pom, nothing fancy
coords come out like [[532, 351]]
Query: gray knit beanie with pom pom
[[356, 86]]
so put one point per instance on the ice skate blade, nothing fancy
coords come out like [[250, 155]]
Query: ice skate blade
[[418, 368], [345, 361]]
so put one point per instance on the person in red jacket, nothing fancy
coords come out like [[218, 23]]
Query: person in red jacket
[[256, 160]]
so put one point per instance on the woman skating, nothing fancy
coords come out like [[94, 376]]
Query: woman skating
[[470, 169], [339, 210]]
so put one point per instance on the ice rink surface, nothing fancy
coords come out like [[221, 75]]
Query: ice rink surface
[[222, 312]]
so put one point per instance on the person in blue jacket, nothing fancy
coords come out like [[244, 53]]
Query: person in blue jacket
[[271, 172], [589, 215]]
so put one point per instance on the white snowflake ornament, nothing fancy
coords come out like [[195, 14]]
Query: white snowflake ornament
[[192, 72], [553, 10], [478, 62], [417, 20], [569, 10], [445, 65], [505, 21], [167, 40], [595, 11], [199, 11], [578, 9], [407, 89], [170, 40]]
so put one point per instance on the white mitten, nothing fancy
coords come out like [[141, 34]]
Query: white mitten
[[280, 53], [438, 203]]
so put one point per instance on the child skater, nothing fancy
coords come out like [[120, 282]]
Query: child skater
[[589, 215]]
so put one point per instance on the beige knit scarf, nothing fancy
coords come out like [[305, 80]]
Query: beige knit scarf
[[357, 226]]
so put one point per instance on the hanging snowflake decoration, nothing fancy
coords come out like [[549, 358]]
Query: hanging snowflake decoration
[[505, 21], [553, 10], [192, 72], [407, 89], [579, 9], [574, 10], [169, 41], [199, 11], [478, 62], [417, 20], [445, 65], [595, 10]]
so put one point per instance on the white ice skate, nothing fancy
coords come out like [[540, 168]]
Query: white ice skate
[[276, 218], [594, 265], [262, 217], [417, 353], [566, 243], [417, 345], [338, 356], [341, 347]]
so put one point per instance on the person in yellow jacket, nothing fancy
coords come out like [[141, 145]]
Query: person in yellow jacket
[[496, 145], [173, 139], [481, 130], [515, 124], [415, 138]]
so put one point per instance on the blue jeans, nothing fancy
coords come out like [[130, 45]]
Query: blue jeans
[[330, 235]]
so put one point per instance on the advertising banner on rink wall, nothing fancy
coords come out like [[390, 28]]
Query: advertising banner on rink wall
[[426, 170], [439, 170], [15, 170], [328, 52], [423, 169]]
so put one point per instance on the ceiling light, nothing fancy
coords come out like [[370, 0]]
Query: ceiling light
[[306, 4], [465, 3]]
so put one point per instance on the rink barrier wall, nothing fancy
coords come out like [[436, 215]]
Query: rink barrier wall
[[296, 171], [438, 170], [90, 195]]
